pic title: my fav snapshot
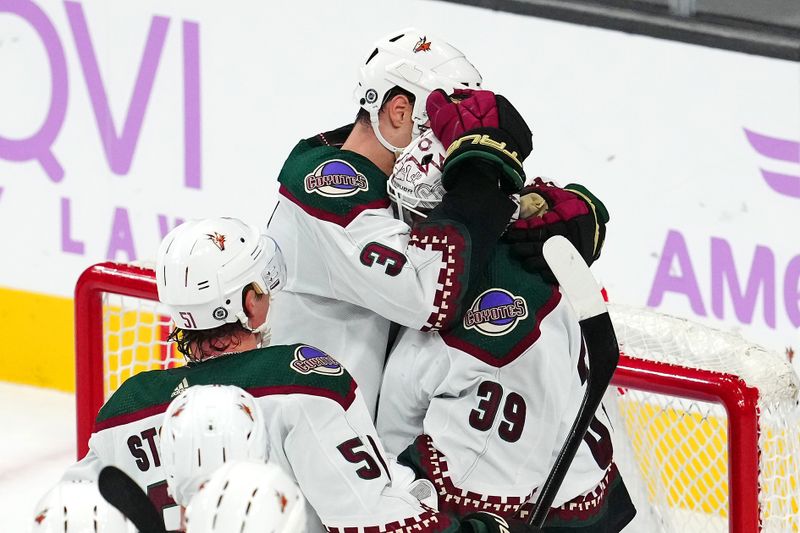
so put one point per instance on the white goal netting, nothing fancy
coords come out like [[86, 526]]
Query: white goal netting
[[706, 424]]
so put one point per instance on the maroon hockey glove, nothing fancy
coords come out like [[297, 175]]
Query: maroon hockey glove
[[573, 212], [483, 131], [482, 522]]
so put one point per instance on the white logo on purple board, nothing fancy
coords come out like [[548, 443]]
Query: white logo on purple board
[[336, 178], [308, 359], [496, 312]]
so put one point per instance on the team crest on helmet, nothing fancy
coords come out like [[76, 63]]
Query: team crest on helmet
[[217, 239], [41, 516], [308, 359], [282, 500], [247, 411], [495, 312], [336, 178], [423, 45]]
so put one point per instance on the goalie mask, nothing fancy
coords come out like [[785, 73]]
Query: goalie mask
[[418, 62], [415, 185], [203, 265], [247, 498], [205, 427], [78, 506]]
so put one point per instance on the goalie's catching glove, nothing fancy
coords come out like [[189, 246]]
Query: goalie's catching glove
[[484, 134], [572, 211], [482, 522]]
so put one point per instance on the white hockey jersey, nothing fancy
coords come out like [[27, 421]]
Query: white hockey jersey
[[483, 409], [318, 430], [352, 267]]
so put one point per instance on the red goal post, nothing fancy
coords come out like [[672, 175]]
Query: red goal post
[[706, 425]]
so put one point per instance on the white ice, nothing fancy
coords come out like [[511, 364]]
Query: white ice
[[36, 446]]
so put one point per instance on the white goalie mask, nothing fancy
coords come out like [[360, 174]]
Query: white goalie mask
[[415, 185], [203, 265], [205, 427], [247, 498], [78, 507], [418, 62]]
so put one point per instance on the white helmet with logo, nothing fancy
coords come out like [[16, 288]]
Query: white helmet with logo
[[247, 498], [415, 185], [418, 62], [203, 265], [78, 507], [205, 427]]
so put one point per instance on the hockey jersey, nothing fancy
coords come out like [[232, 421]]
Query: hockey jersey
[[317, 425], [482, 409], [353, 267]]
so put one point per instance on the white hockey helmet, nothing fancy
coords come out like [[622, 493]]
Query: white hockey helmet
[[205, 427], [247, 498], [415, 185], [418, 62], [78, 507], [203, 265]]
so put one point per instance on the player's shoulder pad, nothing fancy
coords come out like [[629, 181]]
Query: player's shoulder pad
[[142, 395], [282, 369], [332, 184], [289, 369], [506, 315]]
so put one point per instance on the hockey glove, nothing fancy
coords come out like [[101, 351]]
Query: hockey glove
[[573, 212], [483, 131], [481, 522]]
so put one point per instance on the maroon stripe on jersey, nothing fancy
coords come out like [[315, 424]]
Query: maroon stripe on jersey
[[341, 220], [450, 242], [133, 416], [345, 401], [518, 349], [581, 508], [429, 521], [453, 499]]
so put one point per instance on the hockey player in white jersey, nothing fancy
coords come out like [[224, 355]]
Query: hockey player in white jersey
[[482, 409], [352, 266], [216, 278]]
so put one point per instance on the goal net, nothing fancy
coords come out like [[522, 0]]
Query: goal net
[[707, 425]]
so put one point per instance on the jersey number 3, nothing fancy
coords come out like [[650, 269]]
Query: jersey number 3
[[383, 255]]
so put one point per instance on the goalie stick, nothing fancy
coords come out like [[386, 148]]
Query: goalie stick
[[123, 493], [583, 293]]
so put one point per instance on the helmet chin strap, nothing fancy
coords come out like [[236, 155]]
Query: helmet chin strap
[[373, 118], [262, 332], [415, 132]]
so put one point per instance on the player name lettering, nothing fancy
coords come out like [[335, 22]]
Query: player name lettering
[[481, 316], [316, 182], [307, 365]]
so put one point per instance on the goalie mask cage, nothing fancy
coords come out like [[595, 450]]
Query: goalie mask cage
[[706, 427]]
